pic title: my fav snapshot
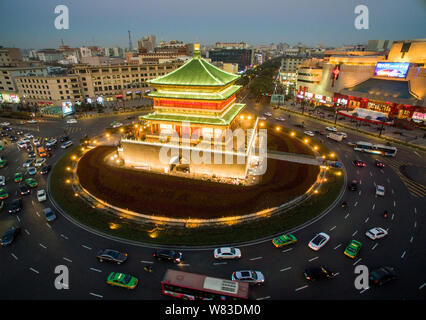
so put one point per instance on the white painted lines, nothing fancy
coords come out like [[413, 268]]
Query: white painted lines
[[366, 220], [356, 203], [17, 218], [301, 288], [257, 258], [38, 214], [287, 250], [332, 228], [403, 255], [381, 170], [353, 234], [27, 232], [338, 246], [360, 182], [86, 247], [66, 259], [264, 298], [15, 257], [219, 263], [95, 295], [357, 261], [315, 258], [34, 270], [183, 264], [285, 269], [359, 193], [42, 245], [393, 191], [415, 224], [394, 203], [63, 236], [96, 270], [374, 206], [422, 286], [47, 223], [150, 262], [388, 180], [393, 215], [347, 215], [411, 239], [415, 210], [371, 174], [374, 247], [362, 291]]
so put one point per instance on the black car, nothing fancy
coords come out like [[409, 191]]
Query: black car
[[15, 206], [31, 154], [382, 275], [353, 185], [3, 134], [19, 132], [318, 273], [379, 164], [6, 128], [169, 255], [23, 190], [45, 169], [358, 163], [112, 256], [13, 138], [64, 138], [9, 236]]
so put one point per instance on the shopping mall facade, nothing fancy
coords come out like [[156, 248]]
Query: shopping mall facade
[[370, 86]]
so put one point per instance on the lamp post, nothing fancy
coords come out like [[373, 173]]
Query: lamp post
[[381, 128]]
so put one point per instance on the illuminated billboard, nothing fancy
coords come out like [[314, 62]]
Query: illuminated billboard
[[392, 69], [67, 108]]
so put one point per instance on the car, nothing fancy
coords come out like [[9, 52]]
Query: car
[[21, 145], [122, 280], [111, 256], [261, 118], [15, 206], [268, 114], [382, 275], [376, 233], [3, 163], [32, 121], [318, 273], [2, 181], [169, 255], [45, 169], [319, 241], [380, 190], [40, 162], [5, 123], [379, 164], [66, 144], [13, 138], [3, 194], [64, 139], [31, 182], [309, 133], [353, 185], [17, 177], [332, 129], [116, 125], [284, 240], [359, 163], [7, 128], [10, 236], [227, 253], [352, 249], [29, 147], [23, 190], [36, 142], [31, 154], [25, 140], [280, 119], [31, 171], [250, 276], [28, 136], [19, 132], [344, 135], [51, 142], [28, 163], [41, 195], [71, 121], [49, 214]]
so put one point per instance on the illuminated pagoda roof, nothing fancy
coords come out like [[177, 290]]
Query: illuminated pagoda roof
[[225, 94], [196, 72]]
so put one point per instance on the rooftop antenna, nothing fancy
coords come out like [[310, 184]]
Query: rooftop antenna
[[130, 42]]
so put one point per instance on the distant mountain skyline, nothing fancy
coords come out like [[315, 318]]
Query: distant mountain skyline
[[30, 24]]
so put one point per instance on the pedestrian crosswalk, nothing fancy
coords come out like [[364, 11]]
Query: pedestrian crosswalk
[[416, 189]]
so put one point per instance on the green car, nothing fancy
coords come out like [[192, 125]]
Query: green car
[[353, 248], [2, 163], [32, 183], [3, 194], [284, 240], [122, 280], [17, 177]]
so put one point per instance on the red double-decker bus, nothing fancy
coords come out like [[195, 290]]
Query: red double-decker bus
[[192, 286]]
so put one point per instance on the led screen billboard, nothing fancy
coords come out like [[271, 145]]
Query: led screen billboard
[[392, 69], [67, 108]]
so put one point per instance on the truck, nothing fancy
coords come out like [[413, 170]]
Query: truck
[[334, 136]]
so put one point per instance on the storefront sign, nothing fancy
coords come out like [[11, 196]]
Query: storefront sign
[[392, 69]]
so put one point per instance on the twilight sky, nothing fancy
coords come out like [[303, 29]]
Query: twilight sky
[[30, 23]]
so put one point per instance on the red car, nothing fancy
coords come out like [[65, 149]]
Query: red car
[[359, 163], [380, 164]]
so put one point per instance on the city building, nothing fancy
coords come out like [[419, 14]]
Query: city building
[[50, 55], [10, 57], [243, 57], [148, 43], [193, 105], [240, 45], [379, 45]]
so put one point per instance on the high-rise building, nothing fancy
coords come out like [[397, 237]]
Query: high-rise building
[[242, 57], [149, 43]]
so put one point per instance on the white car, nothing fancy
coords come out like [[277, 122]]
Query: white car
[[268, 114], [227, 253], [36, 142], [28, 163], [4, 123], [21, 144], [32, 171], [262, 118], [333, 129], [380, 190], [71, 121], [344, 135], [376, 233], [309, 133], [319, 241], [250, 276], [2, 181], [51, 142], [66, 144], [41, 195], [32, 121], [40, 162], [28, 136], [25, 140], [280, 119], [117, 125]]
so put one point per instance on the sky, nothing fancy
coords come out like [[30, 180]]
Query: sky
[[30, 23]]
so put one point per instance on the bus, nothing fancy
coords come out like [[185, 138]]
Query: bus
[[192, 286], [381, 149]]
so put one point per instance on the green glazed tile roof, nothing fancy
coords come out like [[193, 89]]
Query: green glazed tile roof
[[225, 120], [196, 72], [196, 96]]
